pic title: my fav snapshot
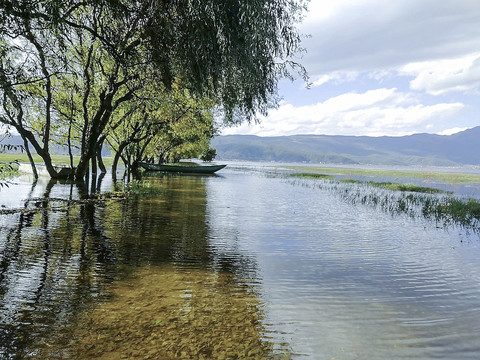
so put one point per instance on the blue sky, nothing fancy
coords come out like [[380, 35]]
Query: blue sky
[[382, 68]]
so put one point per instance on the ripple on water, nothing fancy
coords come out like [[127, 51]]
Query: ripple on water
[[287, 271]]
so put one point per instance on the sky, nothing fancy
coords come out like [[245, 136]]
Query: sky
[[381, 68]]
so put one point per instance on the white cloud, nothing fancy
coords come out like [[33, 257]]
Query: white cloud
[[452, 131], [428, 46], [373, 35], [443, 76], [374, 113], [335, 77]]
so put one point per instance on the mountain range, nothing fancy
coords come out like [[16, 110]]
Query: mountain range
[[462, 148]]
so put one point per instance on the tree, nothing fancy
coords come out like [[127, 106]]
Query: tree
[[233, 51], [208, 155], [164, 124]]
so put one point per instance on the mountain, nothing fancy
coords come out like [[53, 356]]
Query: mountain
[[420, 149]]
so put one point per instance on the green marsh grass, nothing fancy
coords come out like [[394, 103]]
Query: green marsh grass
[[385, 185], [396, 198], [407, 187], [445, 177], [313, 176]]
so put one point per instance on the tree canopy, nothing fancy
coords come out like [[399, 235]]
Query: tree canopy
[[72, 67]]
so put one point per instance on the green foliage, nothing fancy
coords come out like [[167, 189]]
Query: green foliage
[[76, 68], [171, 125], [7, 171], [235, 49], [208, 155]]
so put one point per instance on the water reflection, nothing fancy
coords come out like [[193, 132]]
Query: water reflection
[[243, 265], [61, 256], [53, 263], [349, 281]]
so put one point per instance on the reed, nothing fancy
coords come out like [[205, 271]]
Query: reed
[[385, 185], [412, 200]]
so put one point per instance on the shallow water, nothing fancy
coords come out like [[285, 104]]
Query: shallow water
[[246, 264]]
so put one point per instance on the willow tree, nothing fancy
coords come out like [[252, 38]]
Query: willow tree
[[234, 51], [162, 123]]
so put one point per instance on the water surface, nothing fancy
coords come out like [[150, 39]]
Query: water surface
[[247, 264]]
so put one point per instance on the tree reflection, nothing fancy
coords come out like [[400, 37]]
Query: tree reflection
[[62, 252]]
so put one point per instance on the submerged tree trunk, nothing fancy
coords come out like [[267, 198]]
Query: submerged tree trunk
[[30, 158], [100, 163], [94, 163], [45, 155], [69, 140], [118, 155]]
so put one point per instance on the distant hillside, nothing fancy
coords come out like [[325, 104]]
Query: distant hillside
[[419, 149]]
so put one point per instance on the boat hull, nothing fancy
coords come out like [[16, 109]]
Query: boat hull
[[209, 169]]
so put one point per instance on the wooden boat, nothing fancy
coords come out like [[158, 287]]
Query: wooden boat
[[197, 169]]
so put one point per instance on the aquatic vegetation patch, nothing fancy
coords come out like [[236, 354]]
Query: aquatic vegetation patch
[[445, 177], [453, 210], [143, 188], [412, 200], [445, 210], [406, 187], [385, 185], [313, 176]]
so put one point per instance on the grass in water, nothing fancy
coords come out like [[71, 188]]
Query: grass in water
[[445, 177], [384, 185], [455, 209], [446, 209], [407, 187], [313, 176], [143, 189]]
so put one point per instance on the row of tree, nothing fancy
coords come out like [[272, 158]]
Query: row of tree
[[149, 78]]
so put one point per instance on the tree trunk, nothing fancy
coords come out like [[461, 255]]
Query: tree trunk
[[100, 163], [69, 139], [30, 158], [45, 155], [118, 154], [94, 163]]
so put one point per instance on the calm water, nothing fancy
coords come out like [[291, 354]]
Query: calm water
[[247, 264]]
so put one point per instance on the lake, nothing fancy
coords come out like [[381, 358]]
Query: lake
[[249, 264]]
